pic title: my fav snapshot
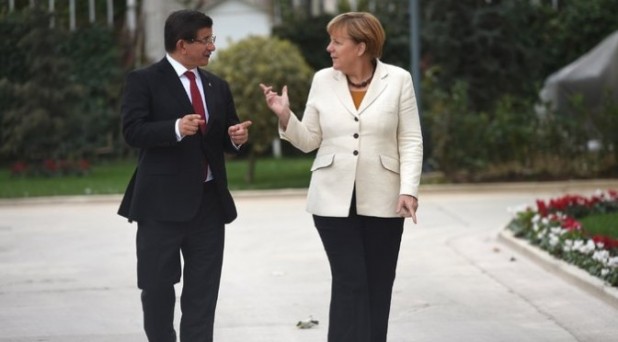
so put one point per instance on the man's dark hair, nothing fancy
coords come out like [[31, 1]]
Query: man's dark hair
[[184, 24]]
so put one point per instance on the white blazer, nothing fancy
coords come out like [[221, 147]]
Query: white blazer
[[377, 147]]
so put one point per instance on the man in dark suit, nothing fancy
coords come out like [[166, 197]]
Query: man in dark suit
[[182, 119]]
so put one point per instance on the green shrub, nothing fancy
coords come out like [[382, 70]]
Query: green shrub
[[272, 61], [58, 88]]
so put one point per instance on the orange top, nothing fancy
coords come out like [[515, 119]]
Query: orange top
[[357, 97]]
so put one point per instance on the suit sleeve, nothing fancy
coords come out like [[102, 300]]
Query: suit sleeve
[[410, 140], [306, 135]]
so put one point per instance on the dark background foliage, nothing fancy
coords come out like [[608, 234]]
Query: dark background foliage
[[58, 88], [483, 63]]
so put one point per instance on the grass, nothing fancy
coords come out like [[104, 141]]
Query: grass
[[271, 173], [112, 178], [601, 224]]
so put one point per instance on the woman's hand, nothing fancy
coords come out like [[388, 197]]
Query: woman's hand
[[279, 104], [407, 205]]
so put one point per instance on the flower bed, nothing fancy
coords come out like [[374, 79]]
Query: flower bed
[[555, 227], [51, 167]]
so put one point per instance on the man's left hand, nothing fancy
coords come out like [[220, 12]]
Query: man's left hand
[[239, 133]]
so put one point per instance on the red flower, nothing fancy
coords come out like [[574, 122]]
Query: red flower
[[19, 168], [542, 208], [84, 165], [607, 241], [568, 204], [571, 224], [50, 165]]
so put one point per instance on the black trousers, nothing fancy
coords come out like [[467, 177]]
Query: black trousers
[[362, 252], [159, 267]]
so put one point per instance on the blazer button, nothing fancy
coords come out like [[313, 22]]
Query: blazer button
[[355, 135], [355, 152], [356, 119]]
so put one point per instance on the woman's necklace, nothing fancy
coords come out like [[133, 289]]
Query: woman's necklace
[[362, 84]]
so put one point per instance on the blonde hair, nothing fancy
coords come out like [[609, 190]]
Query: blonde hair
[[362, 27]]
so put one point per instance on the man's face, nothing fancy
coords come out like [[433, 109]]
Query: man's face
[[197, 52]]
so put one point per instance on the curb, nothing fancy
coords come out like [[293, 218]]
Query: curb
[[571, 273], [516, 187], [116, 198], [558, 186]]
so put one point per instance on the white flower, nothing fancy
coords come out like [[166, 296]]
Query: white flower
[[578, 244], [557, 231], [604, 272], [535, 227], [613, 262], [588, 248], [554, 240], [567, 246], [584, 247], [601, 256], [536, 218]]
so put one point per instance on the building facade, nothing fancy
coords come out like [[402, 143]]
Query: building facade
[[233, 19]]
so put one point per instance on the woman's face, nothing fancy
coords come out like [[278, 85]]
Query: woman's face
[[344, 51]]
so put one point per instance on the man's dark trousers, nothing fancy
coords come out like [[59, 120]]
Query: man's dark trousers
[[159, 245]]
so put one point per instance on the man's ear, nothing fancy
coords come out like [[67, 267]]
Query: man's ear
[[181, 45]]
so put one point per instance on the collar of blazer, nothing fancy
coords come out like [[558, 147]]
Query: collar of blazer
[[376, 87]]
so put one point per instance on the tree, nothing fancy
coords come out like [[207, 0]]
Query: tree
[[59, 90], [505, 47], [37, 117], [309, 32], [254, 60], [13, 62], [343, 6], [310, 35], [575, 28], [483, 43], [395, 19], [99, 72]]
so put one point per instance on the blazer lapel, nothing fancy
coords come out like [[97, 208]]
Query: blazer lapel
[[169, 77], [209, 98], [343, 93], [376, 87]]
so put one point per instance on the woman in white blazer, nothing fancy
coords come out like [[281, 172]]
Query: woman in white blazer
[[361, 115]]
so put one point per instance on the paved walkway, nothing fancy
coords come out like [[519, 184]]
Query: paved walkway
[[67, 273]]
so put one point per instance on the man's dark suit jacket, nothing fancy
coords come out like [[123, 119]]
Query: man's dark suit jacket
[[168, 181]]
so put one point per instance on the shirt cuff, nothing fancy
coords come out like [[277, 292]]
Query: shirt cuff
[[177, 129]]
